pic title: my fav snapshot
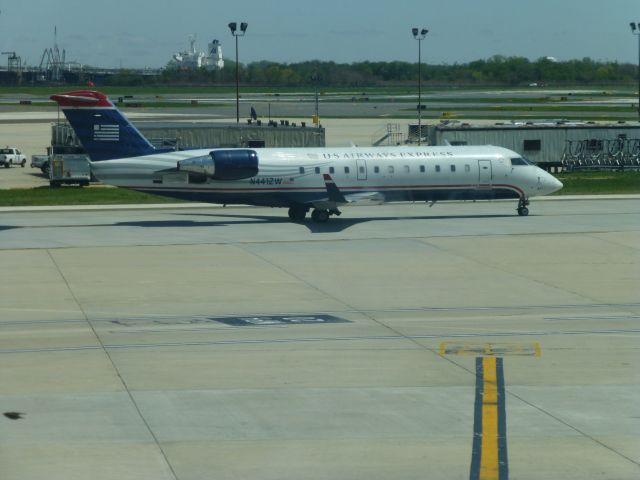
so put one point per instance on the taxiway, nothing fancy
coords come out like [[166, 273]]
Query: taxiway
[[208, 342]]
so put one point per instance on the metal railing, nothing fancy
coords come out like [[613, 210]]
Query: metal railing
[[390, 134], [618, 153]]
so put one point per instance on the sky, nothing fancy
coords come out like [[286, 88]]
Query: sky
[[142, 33]]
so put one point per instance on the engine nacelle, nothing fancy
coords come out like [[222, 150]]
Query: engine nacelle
[[223, 164], [198, 165]]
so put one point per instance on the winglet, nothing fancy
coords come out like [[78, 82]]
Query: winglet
[[335, 195]]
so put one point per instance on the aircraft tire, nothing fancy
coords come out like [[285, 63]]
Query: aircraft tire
[[320, 216], [523, 211], [297, 214]]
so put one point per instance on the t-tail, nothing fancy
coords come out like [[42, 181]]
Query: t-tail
[[103, 131]]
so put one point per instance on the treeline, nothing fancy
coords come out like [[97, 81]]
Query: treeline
[[497, 70]]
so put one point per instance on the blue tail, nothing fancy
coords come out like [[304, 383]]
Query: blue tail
[[103, 131]]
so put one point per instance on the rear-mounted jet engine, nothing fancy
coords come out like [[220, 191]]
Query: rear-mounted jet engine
[[223, 164]]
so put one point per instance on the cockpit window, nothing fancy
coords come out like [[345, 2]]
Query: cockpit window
[[519, 161]]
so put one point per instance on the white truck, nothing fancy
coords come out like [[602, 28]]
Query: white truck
[[43, 162], [12, 156]]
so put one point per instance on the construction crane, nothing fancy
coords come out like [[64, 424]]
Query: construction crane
[[14, 62], [52, 61]]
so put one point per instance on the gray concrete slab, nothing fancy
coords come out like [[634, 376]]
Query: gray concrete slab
[[110, 347]]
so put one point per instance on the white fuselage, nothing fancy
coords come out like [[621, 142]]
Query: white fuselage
[[288, 176]]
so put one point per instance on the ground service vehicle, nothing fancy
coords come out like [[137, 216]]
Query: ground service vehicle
[[69, 170], [11, 156], [42, 162]]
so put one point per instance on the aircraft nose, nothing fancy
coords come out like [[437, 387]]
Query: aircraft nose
[[553, 183]]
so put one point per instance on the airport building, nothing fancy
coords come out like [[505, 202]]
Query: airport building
[[181, 135], [551, 145]]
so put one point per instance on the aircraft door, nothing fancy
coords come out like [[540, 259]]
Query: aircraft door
[[361, 166], [485, 174]]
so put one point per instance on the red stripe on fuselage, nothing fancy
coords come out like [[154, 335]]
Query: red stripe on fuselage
[[344, 190]]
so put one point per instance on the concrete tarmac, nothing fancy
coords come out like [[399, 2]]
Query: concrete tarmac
[[226, 343]]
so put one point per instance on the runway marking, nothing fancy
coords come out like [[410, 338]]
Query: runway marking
[[213, 343], [278, 320], [490, 349], [587, 306], [166, 319], [594, 317], [489, 452]]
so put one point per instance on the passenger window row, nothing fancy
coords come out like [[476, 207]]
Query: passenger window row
[[390, 169]]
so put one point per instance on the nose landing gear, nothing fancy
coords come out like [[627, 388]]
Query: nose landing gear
[[522, 209]]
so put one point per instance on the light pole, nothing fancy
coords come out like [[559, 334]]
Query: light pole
[[233, 26], [636, 31], [315, 78], [419, 35]]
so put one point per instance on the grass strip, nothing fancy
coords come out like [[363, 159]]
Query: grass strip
[[69, 195], [599, 183]]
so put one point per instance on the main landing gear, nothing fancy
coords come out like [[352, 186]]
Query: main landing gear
[[522, 209], [319, 215], [297, 214]]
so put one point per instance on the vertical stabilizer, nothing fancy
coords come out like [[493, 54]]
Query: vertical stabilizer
[[103, 130]]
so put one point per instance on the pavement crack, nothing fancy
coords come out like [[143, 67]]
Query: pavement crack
[[572, 427], [365, 313], [105, 350]]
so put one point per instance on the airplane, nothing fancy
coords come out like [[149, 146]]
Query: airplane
[[300, 179]]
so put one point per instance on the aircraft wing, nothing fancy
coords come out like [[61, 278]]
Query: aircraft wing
[[335, 197], [365, 198]]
